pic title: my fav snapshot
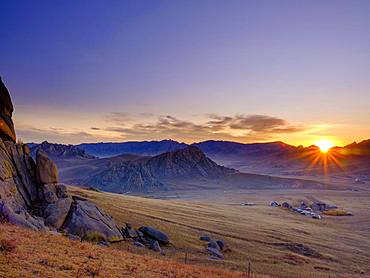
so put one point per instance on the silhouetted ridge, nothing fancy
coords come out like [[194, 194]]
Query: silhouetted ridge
[[60, 150]]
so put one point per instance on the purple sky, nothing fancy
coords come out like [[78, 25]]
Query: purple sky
[[85, 71]]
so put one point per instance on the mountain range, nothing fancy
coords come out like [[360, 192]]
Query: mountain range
[[186, 168], [273, 158], [140, 148]]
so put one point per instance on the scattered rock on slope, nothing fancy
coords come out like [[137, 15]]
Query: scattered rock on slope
[[155, 234]]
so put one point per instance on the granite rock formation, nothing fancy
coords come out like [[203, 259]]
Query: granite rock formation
[[6, 111], [31, 195]]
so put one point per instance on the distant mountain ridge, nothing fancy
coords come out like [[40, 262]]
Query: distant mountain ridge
[[277, 158], [273, 158], [140, 148], [60, 150], [152, 148]]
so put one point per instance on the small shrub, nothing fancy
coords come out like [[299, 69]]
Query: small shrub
[[6, 245], [335, 212], [114, 239], [94, 237]]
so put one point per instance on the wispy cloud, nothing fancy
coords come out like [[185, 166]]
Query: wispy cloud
[[56, 135], [254, 123], [238, 127], [141, 126]]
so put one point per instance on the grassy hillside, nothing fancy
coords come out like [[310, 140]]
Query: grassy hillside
[[276, 242], [26, 253]]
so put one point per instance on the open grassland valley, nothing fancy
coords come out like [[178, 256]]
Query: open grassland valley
[[259, 239]]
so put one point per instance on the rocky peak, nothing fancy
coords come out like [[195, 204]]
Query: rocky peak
[[60, 151], [189, 162]]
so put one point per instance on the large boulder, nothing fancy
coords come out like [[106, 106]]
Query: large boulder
[[85, 218], [47, 171], [6, 111], [56, 213], [25, 166], [155, 234]]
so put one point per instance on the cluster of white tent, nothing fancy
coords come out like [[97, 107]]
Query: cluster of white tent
[[303, 209]]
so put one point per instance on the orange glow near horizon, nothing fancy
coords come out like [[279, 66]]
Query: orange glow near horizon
[[322, 160], [324, 145]]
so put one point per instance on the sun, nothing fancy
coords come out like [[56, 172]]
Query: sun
[[324, 145]]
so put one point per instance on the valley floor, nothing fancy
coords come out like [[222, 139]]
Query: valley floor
[[273, 240]]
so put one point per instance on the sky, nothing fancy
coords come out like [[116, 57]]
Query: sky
[[194, 70]]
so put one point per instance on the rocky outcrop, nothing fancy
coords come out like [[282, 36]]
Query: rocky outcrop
[[47, 171], [6, 111], [155, 234], [31, 195]]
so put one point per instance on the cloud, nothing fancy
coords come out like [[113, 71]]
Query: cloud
[[141, 126], [122, 118], [238, 127], [254, 123], [119, 117], [55, 135]]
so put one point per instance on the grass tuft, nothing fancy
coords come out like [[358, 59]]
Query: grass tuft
[[94, 237]]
